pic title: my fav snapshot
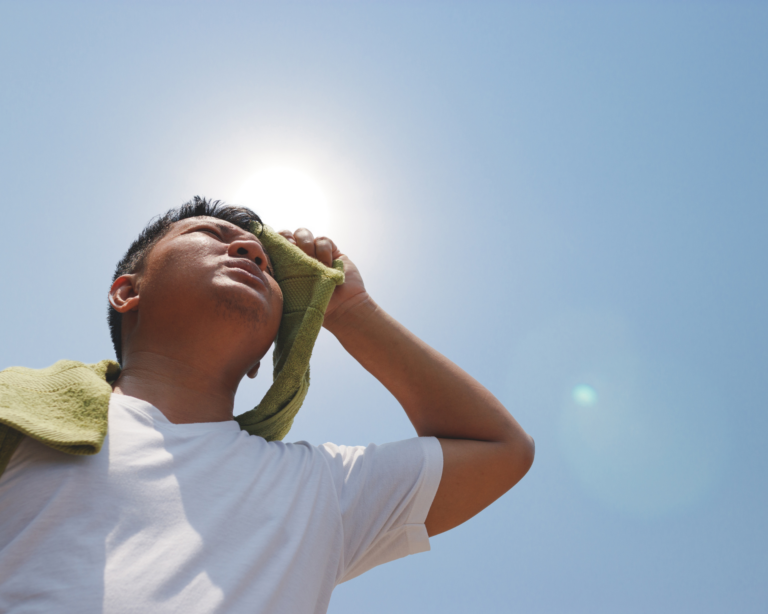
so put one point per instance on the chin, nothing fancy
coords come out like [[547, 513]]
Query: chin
[[254, 311], [248, 311], [239, 308]]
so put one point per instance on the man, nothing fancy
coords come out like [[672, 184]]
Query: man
[[181, 510]]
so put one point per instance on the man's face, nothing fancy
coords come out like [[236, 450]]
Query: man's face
[[208, 272]]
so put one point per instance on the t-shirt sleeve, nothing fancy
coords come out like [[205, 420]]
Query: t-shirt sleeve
[[385, 492]]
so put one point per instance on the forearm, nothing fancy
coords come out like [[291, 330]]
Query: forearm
[[485, 451], [440, 399]]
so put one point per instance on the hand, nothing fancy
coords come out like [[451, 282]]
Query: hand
[[348, 294]]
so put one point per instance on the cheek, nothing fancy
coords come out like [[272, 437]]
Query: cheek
[[277, 296], [174, 271]]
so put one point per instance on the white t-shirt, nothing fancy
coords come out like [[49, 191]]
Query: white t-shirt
[[204, 518]]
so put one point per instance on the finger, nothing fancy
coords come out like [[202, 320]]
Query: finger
[[288, 235], [305, 241], [336, 252], [324, 250]]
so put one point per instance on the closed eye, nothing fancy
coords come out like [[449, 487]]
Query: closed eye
[[211, 232]]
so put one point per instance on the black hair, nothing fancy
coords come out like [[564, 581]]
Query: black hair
[[157, 228]]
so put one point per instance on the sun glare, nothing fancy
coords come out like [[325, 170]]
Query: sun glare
[[285, 198]]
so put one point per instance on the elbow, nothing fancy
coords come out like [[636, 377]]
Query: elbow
[[520, 459], [532, 454], [527, 453]]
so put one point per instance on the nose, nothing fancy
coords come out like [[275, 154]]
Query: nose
[[253, 250]]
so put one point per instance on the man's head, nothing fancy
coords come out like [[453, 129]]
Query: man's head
[[195, 271]]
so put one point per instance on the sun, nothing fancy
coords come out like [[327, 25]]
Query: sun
[[286, 199]]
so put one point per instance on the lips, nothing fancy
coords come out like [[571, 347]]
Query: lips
[[249, 268]]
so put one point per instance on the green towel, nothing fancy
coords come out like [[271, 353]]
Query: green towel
[[307, 286], [65, 405]]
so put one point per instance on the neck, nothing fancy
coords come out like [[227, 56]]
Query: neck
[[185, 392]]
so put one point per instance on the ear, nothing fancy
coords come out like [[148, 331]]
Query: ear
[[254, 370], [123, 295]]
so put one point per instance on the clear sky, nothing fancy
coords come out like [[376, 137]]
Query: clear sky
[[570, 200]]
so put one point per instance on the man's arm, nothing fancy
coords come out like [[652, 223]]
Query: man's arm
[[485, 451]]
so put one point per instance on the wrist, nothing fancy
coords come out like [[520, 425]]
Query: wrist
[[359, 306]]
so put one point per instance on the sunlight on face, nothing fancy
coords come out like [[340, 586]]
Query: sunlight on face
[[286, 199]]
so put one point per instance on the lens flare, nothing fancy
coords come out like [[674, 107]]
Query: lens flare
[[584, 395], [640, 433]]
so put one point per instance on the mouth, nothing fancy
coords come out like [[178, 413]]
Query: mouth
[[249, 271]]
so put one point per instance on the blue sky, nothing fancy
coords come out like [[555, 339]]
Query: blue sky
[[555, 195]]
